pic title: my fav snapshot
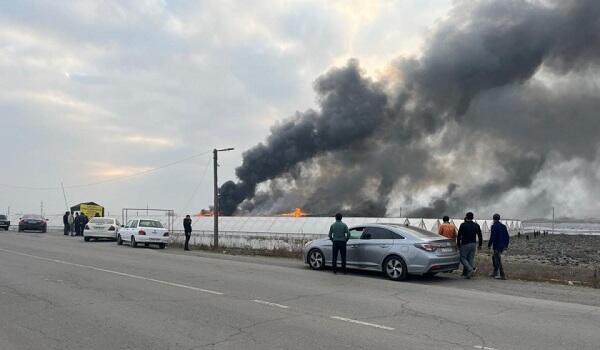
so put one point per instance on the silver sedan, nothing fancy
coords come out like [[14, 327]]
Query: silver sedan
[[396, 250]]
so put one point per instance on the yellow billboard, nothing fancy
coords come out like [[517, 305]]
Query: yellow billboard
[[90, 210]]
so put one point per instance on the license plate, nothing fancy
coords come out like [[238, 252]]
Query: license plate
[[447, 250], [155, 239]]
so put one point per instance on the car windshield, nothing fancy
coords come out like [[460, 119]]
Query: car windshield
[[2, 217], [150, 223], [33, 217], [102, 221]]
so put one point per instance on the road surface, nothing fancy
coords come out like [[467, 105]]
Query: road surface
[[59, 292]]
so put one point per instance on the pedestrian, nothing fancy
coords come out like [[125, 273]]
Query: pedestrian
[[187, 227], [77, 222], [469, 234], [499, 240], [84, 221], [447, 229], [339, 235], [66, 223], [71, 223]]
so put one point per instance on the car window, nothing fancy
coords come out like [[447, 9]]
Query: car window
[[102, 221], [133, 224], [150, 223], [380, 233], [32, 217], [356, 232], [2, 217]]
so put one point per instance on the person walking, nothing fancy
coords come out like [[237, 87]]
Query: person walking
[[499, 240], [71, 220], [469, 234], [187, 227], [66, 223], [447, 229], [339, 235], [77, 222]]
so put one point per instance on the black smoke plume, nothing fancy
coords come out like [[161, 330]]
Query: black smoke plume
[[470, 117]]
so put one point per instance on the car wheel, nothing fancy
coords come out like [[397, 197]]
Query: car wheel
[[119, 240], [394, 268], [316, 260], [161, 245], [87, 239], [146, 244], [44, 231], [133, 242]]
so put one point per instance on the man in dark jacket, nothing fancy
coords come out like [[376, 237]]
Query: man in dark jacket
[[187, 227], [339, 235], [66, 223], [77, 222], [468, 235], [84, 221], [499, 240]]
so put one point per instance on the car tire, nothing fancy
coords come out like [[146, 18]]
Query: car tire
[[146, 245], [316, 259], [87, 239], [133, 242], [394, 268], [44, 231], [161, 246], [119, 240]]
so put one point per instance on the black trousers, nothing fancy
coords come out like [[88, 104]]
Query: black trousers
[[187, 240], [67, 229], [339, 246], [497, 261]]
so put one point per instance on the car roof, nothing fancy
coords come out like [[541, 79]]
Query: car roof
[[401, 228]]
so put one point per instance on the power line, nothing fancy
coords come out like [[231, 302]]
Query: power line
[[144, 172]]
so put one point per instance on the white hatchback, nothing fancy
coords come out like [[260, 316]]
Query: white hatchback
[[101, 228], [146, 231]]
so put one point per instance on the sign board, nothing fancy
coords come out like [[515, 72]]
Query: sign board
[[91, 210]]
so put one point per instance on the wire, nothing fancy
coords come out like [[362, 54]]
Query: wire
[[109, 180]]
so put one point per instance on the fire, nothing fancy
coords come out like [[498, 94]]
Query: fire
[[297, 213], [204, 212]]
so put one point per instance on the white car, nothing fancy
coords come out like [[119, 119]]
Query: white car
[[101, 228], [146, 231]]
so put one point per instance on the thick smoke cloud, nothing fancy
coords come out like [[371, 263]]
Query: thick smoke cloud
[[469, 118]]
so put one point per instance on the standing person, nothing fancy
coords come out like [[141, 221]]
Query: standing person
[[66, 223], [77, 222], [187, 227], [84, 221], [71, 220], [499, 240], [447, 229], [468, 235], [339, 235]]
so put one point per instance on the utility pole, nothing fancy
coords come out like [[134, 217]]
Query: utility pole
[[65, 196], [216, 196], [42, 208]]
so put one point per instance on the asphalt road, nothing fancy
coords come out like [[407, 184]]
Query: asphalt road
[[59, 292]]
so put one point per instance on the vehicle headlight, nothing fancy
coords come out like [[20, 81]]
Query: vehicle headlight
[[307, 243]]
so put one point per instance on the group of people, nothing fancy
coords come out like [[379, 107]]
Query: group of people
[[468, 238], [74, 224]]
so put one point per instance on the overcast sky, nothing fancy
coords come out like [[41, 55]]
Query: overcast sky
[[97, 90]]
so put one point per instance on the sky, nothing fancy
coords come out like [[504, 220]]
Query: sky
[[97, 94]]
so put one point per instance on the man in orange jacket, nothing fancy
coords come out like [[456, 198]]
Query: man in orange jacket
[[447, 229]]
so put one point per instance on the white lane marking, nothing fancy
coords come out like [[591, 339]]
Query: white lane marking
[[362, 323], [270, 304], [483, 347], [178, 285]]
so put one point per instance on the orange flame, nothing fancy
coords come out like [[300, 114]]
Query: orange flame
[[297, 213], [204, 212]]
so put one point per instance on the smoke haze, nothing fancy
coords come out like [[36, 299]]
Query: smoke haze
[[500, 107]]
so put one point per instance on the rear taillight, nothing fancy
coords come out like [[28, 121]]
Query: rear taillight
[[112, 228], [428, 247], [87, 227], [166, 234], [141, 232]]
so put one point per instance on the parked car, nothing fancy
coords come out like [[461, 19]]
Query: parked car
[[394, 249], [146, 231], [99, 227], [4, 222], [33, 222]]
